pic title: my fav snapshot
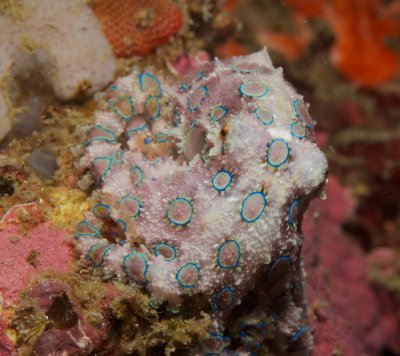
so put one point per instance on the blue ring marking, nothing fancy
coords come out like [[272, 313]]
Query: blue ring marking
[[297, 112], [177, 275], [270, 145], [222, 171], [296, 336], [123, 223], [137, 129], [294, 134], [116, 157], [243, 93], [214, 305], [112, 139], [137, 201], [170, 206], [242, 332], [121, 242], [163, 244], [184, 87], [160, 137], [105, 206], [243, 207], [109, 247], [265, 123], [220, 337], [191, 108], [212, 114], [107, 169], [95, 233], [263, 326], [146, 267], [140, 173], [152, 77], [220, 265], [274, 262], [113, 102], [157, 114], [114, 87], [291, 207], [274, 315]]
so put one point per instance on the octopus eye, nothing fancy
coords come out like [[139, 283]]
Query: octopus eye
[[224, 132]]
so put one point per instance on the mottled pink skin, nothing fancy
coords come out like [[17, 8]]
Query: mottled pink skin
[[15, 272], [225, 189], [352, 317]]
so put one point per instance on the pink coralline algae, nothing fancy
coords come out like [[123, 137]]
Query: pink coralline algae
[[200, 188]]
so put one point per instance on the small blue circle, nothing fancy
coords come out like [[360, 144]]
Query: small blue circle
[[154, 80], [293, 126], [219, 257], [242, 91], [165, 245], [192, 107], [98, 213], [295, 337], [112, 105], [280, 259], [224, 175], [140, 173], [108, 135], [91, 231], [158, 110], [182, 269], [222, 110], [284, 159], [214, 303], [145, 264], [104, 253], [258, 113], [122, 224], [296, 110], [261, 209], [293, 204], [185, 221]]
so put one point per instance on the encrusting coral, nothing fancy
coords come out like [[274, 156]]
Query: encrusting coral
[[200, 191]]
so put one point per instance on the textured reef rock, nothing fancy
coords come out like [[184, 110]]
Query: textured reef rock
[[58, 43], [200, 190]]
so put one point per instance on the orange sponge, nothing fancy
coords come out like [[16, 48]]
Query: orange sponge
[[137, 27]]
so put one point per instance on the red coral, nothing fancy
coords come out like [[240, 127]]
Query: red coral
[[349, 317], [137, 27], [22, 257], [291, 46], [360, 28]]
